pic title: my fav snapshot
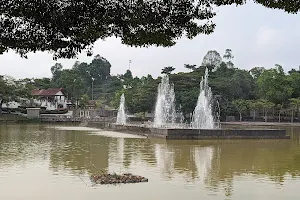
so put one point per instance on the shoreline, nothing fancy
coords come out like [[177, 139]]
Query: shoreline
[[261, 123], [193, 134], [11, 119]]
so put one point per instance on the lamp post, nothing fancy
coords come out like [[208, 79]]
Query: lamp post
[[74, 95], [1, 101], [93, 88], [92, 84], [218, 97]]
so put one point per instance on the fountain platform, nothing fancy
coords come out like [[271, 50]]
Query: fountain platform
[[194, 134]]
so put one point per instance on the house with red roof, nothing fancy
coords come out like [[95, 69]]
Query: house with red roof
[[52, 98]]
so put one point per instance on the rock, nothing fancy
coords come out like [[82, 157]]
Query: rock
[[117, 179]]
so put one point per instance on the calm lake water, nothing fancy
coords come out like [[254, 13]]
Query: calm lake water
[[47, 162]]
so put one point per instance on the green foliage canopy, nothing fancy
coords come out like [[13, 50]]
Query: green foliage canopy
[[258, 88], [12, 90], [274, 86], [167, 70], [68, 27]]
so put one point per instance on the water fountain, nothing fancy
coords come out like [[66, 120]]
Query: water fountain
[[202, 116], [202, 120], [121, 117], [165, 112]]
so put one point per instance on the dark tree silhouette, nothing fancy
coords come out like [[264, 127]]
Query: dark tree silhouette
[[167, 70], [67, 27], [190, 67]]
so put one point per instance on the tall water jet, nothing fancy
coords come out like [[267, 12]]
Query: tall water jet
[[202, 116], [165, 113], [121, 117]]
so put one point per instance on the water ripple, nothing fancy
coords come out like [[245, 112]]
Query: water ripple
[[42, 158]]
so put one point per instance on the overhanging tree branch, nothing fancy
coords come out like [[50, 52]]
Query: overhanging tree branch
[[68, 27]]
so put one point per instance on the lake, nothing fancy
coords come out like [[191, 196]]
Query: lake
[[47, 162]]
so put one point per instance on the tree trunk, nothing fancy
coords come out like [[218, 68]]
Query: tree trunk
[[265, 118], [1, 102], [240, 117], [292, 118], [254, 113], [279, 118]]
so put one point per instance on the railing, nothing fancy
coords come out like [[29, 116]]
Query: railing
[[60, 119], [74, 119]]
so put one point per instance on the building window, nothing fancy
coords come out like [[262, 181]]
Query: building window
[[81, 113]]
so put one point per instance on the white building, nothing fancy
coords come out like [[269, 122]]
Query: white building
[[52, 98]]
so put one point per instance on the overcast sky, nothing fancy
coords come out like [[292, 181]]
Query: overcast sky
[[258, 36]]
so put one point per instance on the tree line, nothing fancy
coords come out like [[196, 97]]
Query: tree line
[[237, 91], [266, 92]]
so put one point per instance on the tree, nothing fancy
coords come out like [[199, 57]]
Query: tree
[[11, 90], [71, 82], [139, 98], [292, 71], [41, 83], [241, 85], [167, 70], [294, 83], [127, 76], [5, 91], [256, 72], [84, 100], [241, 106], [274, 85], [67, 27], [253, 105], [97, 72], [228, 56], [232, 83], [56, 71], [280, 109], [212, 60], [99, 69], [295, 105], [190, 67], [266, 106]]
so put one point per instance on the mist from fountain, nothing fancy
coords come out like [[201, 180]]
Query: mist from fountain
[[202, 116], [165, 112], [121, 117]]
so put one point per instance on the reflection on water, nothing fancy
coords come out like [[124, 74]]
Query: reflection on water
[[43, 163], [203, 160], [165, 159]]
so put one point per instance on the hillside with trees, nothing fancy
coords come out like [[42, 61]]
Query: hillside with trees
[[272, 92]]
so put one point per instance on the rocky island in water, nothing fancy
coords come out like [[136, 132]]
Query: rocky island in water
[[117, 179]]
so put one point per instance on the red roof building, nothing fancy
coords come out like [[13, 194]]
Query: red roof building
[[48, 92], [52, 98]]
